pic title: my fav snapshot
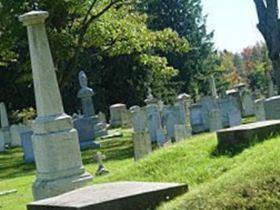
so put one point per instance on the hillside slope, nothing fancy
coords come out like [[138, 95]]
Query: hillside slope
[[247, 180]]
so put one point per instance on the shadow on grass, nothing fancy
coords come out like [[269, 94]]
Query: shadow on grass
[[12, 164], [113, 149], [231, 150]]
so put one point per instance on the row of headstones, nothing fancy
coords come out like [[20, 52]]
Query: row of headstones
[[211, 114], [268, 108], [159, 124], [14, 135]]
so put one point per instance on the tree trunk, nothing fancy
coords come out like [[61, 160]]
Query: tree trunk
[[267, 11], [276, 68]]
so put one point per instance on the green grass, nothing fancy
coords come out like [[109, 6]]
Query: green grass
[[247, 180], [248, 120]]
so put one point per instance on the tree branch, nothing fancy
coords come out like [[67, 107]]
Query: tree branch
[[88, 12], [82, 32]]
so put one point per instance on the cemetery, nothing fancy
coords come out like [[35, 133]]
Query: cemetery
[[108, 112]]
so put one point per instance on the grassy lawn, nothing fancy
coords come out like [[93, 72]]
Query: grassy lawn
[[249, 179]]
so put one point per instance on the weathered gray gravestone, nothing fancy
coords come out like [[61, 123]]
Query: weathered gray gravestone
[[246, 99], [248, 104], [5, 126], [231, 114], [184, 103], [196, 118], [87, 124], [180, 132], [28, 151], [139, 120], [180, 129], [4, 116], [185, 99], [169, 121], [272, 108], [259, 109], [119, 116], [16, 131], [235, 117], [141, 139], [55, 141], [2, 142], [102, 117], [208, 103], [215, 120], [154, 124]]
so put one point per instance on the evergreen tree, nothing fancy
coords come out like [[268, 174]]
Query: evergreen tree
[[185, 17]]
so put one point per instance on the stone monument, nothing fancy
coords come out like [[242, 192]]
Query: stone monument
[[87, 125], [215, 120], [2, 142], [55, 141], [259, 109], [16, 131], [231, 114], [246, 100], [86, 94], [184, 101], [155, 125], [141, 139], [272, 108], [5, 126], [169, 121], [181, 129], [213, 87], [27, 146], [119, 116], [196, 118]]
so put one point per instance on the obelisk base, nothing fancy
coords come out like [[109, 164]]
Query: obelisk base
[[45, 189], [57, 157]]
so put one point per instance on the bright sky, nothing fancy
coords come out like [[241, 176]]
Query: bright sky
[[234, 23]]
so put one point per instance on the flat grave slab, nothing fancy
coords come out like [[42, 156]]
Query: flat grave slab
[[113, 196], [247, 134]]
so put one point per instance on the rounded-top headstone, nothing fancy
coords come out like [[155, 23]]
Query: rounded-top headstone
[[118, 113], [134, 109]]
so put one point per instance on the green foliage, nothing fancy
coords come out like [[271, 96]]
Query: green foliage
[[23, 116], [185, 17], [109, 41], [252, 66]]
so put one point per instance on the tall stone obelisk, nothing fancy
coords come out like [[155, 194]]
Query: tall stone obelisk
[[55, 141], [213, 87]]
